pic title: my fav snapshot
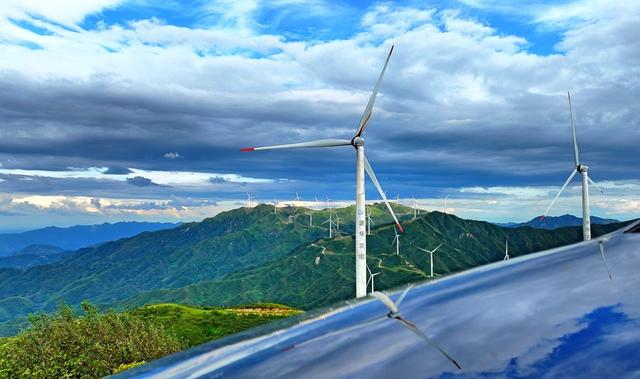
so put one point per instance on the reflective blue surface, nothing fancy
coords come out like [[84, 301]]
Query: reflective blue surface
[[550, 314]]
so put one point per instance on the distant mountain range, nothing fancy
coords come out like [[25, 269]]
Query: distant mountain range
[[553, 222], [33, 255], [75, 237], [250, 255]]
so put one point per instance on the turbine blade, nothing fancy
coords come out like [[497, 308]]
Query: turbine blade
[[404, 294], [601, 244], [367, 111], [372, 175], [434, 250], [317, 143], [576, 156], [595, 184], [425, 250], [386, 300], [409, 325], [573, 173]]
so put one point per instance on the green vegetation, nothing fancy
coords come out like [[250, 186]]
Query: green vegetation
[[195, 326], [93, 345]]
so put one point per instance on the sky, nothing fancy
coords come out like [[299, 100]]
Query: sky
[[136, 110]]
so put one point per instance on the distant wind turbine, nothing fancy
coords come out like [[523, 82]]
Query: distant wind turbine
[[310, 214], [415, 207], [582, 169], [275, 206], [444, 204], [331, 224], [369, 221], [249, 197], [396, 240], [362, 165], [338, 218], [371, 278], [297, 197], [431, 257]]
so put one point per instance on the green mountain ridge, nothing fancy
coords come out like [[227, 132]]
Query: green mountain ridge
[[298, 281], [250, 255]]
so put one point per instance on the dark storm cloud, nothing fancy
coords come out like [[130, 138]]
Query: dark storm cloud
[[140, 181]]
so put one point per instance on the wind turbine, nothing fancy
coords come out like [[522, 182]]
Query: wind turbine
[[396, 240], [431, 256], [506, 249], [338, 218], [369, 221], [249, 197], [310, 214], [582, 169], [415, 207], [331, 223], [297, 197], [362, 165], [444, 204], [371, 278], [275, 206]]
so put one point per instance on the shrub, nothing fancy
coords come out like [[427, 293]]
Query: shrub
[[92, 345]]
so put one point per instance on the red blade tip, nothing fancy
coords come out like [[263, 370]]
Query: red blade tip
[[248, 149], [400, 228]]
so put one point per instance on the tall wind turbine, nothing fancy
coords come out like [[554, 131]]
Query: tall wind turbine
[[431, 256], [362, 165], [297, 197], [506, 249], [582, 169], [396, 240], [275, 206], [371, 278], [249, 197], [369, 221], [338, 218]]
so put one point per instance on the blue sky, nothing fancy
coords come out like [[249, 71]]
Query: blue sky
[[136, 110]]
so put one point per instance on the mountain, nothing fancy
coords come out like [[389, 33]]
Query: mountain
[[553, 222], [299, 281], [250, 255], [33, 255], [76, 237]]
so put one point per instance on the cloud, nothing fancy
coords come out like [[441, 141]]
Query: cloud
[[140, 181], [117, 171], [464, 104]]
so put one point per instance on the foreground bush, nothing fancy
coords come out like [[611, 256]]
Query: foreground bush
[[93, 345]]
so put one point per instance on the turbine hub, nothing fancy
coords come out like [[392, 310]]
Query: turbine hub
[[582, 168], [357, 141]]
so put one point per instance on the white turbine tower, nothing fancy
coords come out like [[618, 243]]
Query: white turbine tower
[[431, 256], [362, 165], [396, 240], [249, 197], [275, 206], [297, 197], [415, 207], [371, 278], [369, 221], [582, 169], [506, 249], [338, 218]]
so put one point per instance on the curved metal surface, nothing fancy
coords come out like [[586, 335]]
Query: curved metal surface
[[549, 314]]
